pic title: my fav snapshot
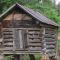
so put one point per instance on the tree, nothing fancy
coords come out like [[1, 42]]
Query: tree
[[58, 9], [1, 6]]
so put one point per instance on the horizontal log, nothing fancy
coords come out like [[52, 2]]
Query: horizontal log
[[9, 43], [33, 32], [35, 48], [51, 49], [8, 36], [51, 42], [35, 35], [50, 29], [30, 28], [35, 41], [51, 52], [8, 40], [48, 35], [49, 32], [47, 40], [51, 46], [34, 44], [21, 52], [35, 29], [7, 48], [50, 39], [8, 33], [35, 38], [8, 29]]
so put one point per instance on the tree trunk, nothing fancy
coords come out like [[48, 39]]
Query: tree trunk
[[18, 57], [21, 57]]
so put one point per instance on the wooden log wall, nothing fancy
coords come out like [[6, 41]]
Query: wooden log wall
[[38, 39], [35, 39], [1, 38], [49, 45], [8, 38], [20, 24]]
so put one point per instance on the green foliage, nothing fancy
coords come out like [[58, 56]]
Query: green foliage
[[26, 57], [46, 9], [4, 4], [37, 57], [8, 58]]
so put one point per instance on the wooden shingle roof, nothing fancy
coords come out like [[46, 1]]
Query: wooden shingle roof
[[35, 14]]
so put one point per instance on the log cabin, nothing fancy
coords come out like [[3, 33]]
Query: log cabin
[[24, 31]]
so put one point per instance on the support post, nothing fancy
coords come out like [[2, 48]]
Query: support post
[[18, 57], [31, 57], [21, 57]]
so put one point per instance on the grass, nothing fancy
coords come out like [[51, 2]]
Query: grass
[[7, 58], [26, 57], [37, 57]]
